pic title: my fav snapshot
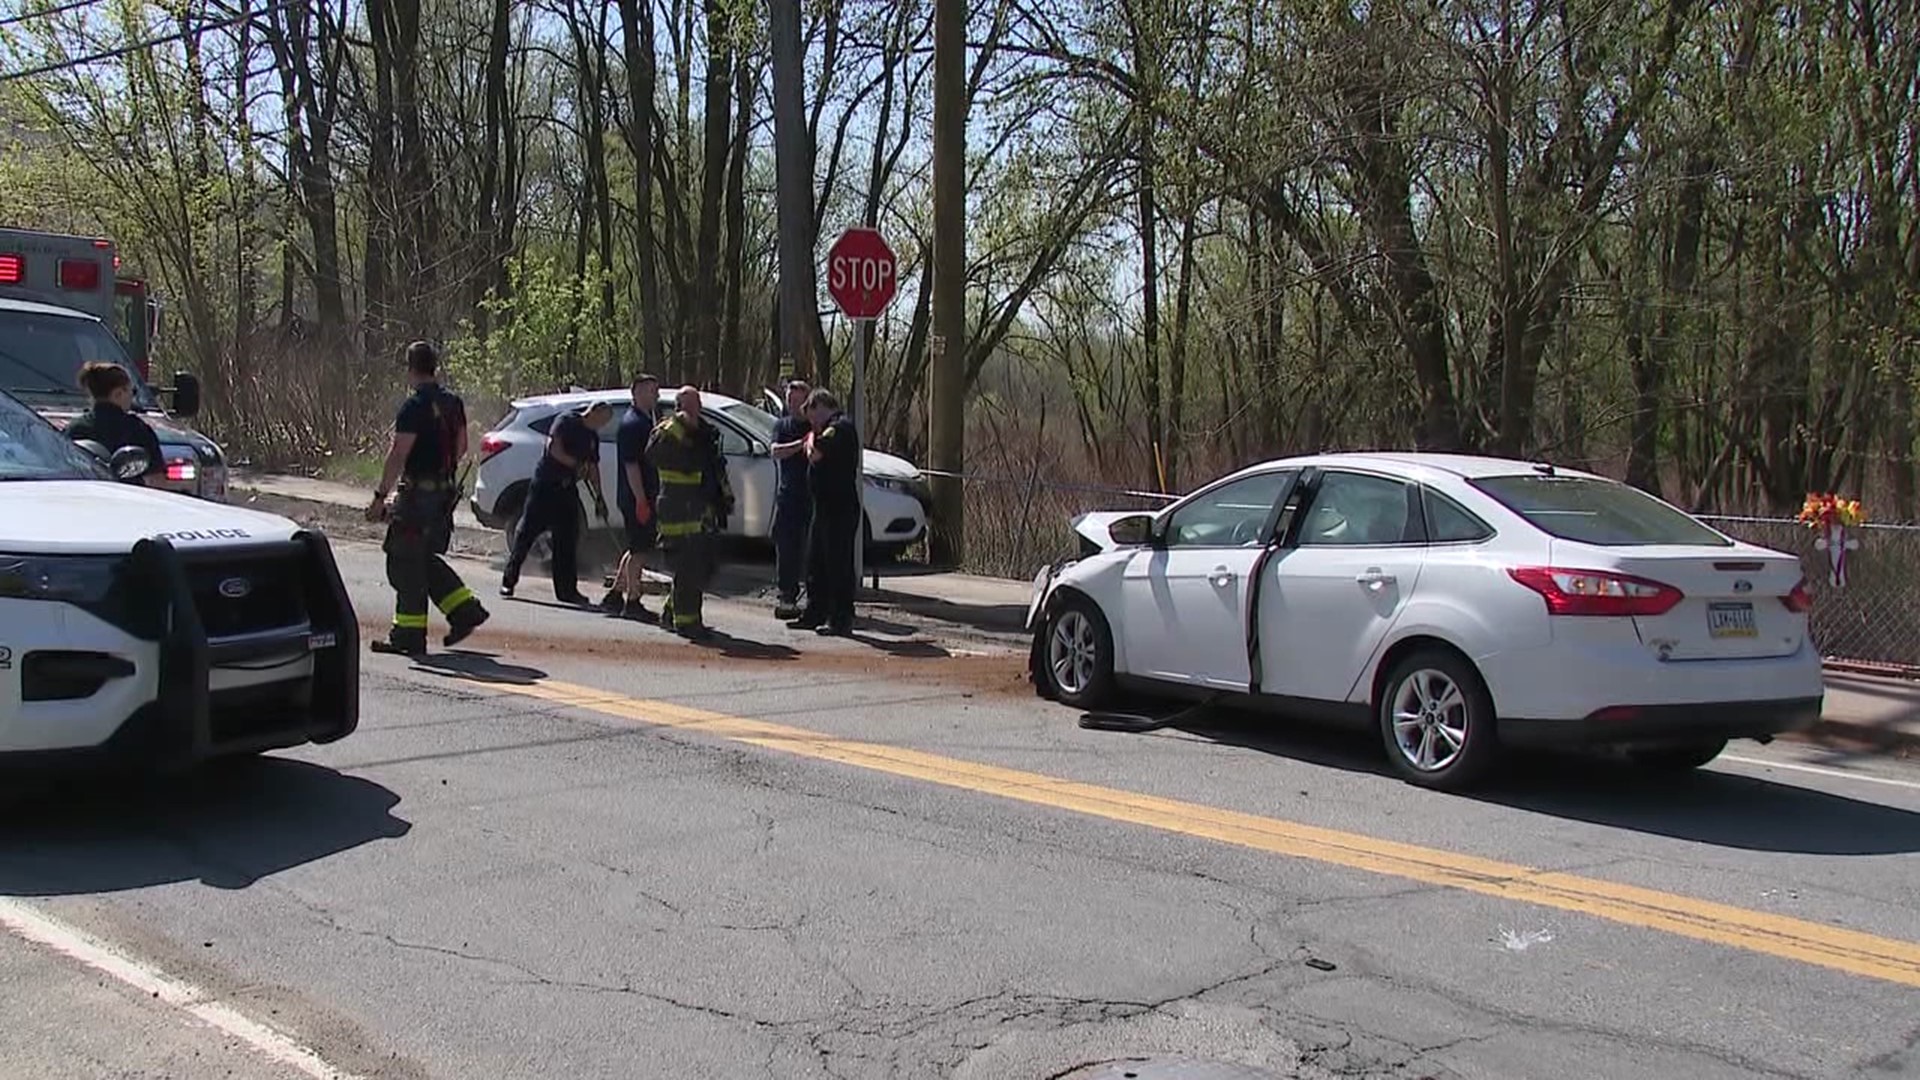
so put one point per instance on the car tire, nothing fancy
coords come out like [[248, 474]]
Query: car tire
[[1677, 757], [1076, 653], [1436, 720]]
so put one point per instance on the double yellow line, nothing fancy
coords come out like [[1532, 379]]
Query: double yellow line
[[1721, 924]]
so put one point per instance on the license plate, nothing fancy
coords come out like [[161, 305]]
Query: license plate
[[1731, 620]]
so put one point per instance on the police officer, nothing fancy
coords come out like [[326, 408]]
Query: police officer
[[553, 500], [695, 501], [833, 455], [638, 491], [792, 506], [110, 420], [429, 439]]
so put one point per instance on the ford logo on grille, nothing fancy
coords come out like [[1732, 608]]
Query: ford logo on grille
[[1743, 586], [236, 588]]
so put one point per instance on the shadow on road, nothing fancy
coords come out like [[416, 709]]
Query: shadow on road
[[1704, 806], [745, 649], [479, 667], [228, 826], [911, 650]]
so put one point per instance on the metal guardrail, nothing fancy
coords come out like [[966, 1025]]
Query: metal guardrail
[[1016, 524]]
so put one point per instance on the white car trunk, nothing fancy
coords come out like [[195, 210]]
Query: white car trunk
[[1734, 607]]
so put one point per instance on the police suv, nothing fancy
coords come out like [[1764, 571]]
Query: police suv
[[142, 628]]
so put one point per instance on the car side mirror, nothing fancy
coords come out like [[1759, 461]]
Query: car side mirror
[[98, 450], [759, 449], [1134, 530], [186, 393], [129, 463]]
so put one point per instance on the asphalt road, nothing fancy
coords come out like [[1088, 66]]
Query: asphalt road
[[585, 849]]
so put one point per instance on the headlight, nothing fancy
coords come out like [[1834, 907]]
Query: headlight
[[915, 487], [74, 579]]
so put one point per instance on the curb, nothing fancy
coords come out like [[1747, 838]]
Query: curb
[[1852, 733]]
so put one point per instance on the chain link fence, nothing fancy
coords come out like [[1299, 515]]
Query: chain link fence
[[1015, 525]]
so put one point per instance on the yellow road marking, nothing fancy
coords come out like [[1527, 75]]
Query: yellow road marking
[[1722, 924]]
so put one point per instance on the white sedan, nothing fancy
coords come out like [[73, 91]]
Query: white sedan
[[1452, 603], [896, 492]]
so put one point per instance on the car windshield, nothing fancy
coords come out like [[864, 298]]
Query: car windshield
[[41, 356], [753, 419], [1596, 511], [31, 448]]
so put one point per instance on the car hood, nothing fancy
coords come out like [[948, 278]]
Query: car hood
[[1094, 525], [165, 428], [887, 467], [101, 517]]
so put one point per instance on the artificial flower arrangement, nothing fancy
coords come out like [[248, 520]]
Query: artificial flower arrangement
[[1831, 516]]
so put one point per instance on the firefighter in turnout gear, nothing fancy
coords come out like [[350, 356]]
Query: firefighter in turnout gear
[[695, 502], [429, 439]]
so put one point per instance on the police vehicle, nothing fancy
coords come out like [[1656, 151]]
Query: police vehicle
[[142, 629]]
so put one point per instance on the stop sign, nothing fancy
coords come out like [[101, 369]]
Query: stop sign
[[861, 275]]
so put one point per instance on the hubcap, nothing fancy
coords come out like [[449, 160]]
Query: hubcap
[[1429, 719], [1071, 652]]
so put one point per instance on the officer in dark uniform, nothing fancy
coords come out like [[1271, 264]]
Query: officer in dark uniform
[[110, 420], [833, 477], [792, 506], [429, 439], [553, 500]]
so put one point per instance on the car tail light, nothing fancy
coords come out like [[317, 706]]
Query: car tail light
[[12, 269], [79, 275], [491, 444], [1597, 592], [1800, 599], [181, 472]]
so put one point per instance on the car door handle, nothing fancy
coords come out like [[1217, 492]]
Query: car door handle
[[1221, 577], [1375, 579]]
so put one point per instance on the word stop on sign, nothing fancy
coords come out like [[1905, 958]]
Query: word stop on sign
[[859, 274]]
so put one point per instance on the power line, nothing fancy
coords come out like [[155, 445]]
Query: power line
[[71, 5], [139, 46]]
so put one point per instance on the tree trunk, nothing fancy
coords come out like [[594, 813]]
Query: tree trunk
[[713, 176], [636, 35], [793, 165], [734, 368]]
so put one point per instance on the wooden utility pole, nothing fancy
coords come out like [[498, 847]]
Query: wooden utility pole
[[793, 181], [947, 413]]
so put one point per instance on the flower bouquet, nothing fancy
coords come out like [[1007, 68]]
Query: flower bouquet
[[1831, 517]]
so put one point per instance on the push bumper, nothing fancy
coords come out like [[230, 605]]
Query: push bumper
[[188, 721], [1642, 724]]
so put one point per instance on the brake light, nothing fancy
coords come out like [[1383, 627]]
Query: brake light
[[12, 269], [1597, 592], [181, 472], [79, 275], [491, 444], [1800, 599]]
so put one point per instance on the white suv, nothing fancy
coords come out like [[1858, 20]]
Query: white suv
[[146, 629], [896, 494]]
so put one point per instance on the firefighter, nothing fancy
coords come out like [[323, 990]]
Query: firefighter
[[111, 422], [429, 439], [695, 501], [833, 454], [572, 456]]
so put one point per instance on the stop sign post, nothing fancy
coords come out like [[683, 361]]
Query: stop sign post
[[862, 277]]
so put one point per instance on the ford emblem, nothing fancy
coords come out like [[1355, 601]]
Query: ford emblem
[[236, 588], [1743, 586]]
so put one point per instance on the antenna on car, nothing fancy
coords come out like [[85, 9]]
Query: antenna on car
[[1543, 468]]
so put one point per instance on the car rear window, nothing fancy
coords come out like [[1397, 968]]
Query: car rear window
[[1597, 511]]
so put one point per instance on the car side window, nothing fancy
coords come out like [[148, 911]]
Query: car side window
[[1231, 515], [732, 442], [1450, 523], [1354, 509]]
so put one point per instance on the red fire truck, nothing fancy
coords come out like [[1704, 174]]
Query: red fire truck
[[63, 303]]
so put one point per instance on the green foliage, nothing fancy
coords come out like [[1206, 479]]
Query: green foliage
[[546, 317]]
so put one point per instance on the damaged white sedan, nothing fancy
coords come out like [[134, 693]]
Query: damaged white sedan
[[1454, 604]]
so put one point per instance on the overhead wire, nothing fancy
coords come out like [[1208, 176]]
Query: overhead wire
[[148, 43]]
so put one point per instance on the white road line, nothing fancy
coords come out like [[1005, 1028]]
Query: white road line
[[1837, 774], [34, 925]]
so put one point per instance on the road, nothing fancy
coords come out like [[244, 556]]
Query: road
[[586, 849]]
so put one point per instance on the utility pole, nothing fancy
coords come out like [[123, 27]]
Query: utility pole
[[947, 545], [793, 181]]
